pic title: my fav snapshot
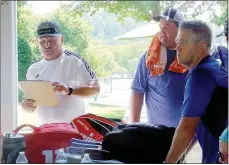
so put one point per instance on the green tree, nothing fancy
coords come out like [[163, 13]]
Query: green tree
[[24, 61], [100, 58], [224, 13], [127, 55], [26, 27], [142, 10], [74, 29], [24, 58], [26, 21], [106, 25]]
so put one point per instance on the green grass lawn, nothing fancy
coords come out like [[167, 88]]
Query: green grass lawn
[[107, 111]]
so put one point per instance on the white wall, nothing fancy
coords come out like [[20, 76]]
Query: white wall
[[8, 67]]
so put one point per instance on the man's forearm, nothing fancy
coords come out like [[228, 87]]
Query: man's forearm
[[136, 101], [86, 90], [180, 143]]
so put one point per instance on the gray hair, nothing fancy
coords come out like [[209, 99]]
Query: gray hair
[[202, 31]]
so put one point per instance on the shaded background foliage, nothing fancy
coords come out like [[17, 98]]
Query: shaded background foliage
[[90, 26], [24, 61]]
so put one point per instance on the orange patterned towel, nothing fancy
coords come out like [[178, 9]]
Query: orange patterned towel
[[157, 59]]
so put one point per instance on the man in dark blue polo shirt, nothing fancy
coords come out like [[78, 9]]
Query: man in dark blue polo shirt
[[193, 46]]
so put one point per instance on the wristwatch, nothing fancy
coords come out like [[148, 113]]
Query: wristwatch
[[69, 90]]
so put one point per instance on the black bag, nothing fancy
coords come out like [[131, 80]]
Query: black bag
[[139, 143]]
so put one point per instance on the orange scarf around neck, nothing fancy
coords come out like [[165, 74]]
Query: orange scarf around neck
[[157, 58]]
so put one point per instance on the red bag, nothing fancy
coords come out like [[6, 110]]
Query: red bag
[[43, 144], [93, 127]]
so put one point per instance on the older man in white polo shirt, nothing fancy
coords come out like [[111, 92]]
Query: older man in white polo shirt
[[72, 77]]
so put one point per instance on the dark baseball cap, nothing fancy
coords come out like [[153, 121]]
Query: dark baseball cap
[[48, 29], [225, 30], [170, 14]]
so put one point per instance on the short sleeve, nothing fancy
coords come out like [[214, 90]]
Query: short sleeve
[[84, 72], [28, 74], [199, 89], [140, 80]]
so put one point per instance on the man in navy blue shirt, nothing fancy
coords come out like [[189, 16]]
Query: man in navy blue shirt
[[194, 41]]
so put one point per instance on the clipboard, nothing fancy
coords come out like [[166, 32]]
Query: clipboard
[[40, 91]]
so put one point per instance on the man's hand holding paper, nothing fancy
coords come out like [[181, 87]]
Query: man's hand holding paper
[[28, 105], [61, 88], [41, 92]]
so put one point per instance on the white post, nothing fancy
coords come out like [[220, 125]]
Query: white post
[[8, 66]]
